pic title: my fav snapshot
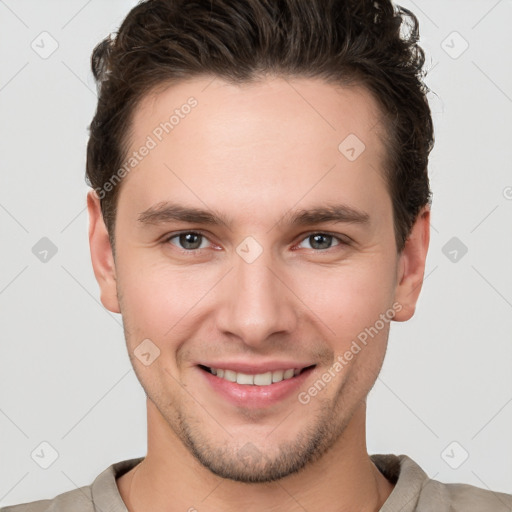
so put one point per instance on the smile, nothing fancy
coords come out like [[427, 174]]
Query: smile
[[259, 379]]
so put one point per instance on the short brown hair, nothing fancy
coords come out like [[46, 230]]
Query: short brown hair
[[347, 42]]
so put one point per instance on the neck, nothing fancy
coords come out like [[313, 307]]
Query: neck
[[170, 479]]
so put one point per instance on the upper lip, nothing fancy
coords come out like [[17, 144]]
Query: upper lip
[[256, 368]]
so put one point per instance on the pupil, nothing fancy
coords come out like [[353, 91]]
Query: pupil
[[318, 238], [187, 240]]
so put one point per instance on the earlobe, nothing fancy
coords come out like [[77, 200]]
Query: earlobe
[[101, 254], [411, 266]]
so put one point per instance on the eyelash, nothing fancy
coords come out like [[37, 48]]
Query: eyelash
[[341, 242]]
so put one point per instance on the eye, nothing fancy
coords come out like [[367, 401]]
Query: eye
[[188, 240], [323, 241]]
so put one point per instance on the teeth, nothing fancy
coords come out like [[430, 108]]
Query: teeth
[[288, 374], [242, 378], [277, 376], [260, 379], [230, 375]]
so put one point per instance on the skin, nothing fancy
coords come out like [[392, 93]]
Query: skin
[[255, 153]]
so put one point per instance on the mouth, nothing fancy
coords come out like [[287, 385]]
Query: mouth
[[255, 390], [256, 379]]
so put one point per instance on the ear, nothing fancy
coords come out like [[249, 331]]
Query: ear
[[101, 254], [411, 266]]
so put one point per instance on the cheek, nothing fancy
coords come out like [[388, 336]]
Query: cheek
[[158, 298], [349, 297]]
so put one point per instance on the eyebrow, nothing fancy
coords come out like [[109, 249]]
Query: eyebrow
[[166, 212]]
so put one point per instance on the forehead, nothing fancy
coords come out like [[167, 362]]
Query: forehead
[[277, 138], [267, 106]]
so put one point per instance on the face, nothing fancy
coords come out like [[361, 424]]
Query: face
[[291, 265]]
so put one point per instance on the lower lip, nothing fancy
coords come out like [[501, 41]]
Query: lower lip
[[246, 395]]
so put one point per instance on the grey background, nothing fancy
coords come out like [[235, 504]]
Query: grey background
[[65, 376]]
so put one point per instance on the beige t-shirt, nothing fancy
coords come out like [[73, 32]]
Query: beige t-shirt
[[414, 491]]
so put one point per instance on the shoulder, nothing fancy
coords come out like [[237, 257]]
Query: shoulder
[[102, 494], [414, 491], [463, 497], [78, 500]]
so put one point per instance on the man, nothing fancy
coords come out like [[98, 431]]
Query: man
[[261, 201]]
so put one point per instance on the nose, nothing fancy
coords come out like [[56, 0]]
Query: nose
[[257, 301]]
